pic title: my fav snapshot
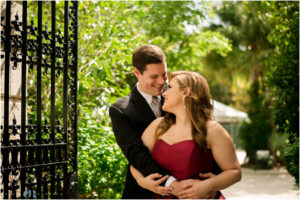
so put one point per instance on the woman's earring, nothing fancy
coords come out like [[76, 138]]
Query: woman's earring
[[183, 101]]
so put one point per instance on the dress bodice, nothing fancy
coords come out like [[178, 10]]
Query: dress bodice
[[183, 159]]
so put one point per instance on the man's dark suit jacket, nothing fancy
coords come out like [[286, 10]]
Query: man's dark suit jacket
[[130, 116]]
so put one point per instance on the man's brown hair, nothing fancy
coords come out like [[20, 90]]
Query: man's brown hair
[[147, 54]]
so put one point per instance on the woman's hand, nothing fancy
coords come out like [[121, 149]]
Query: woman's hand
[[152, 183], [196, 189]]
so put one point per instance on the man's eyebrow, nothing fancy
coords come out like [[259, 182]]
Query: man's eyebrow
[[156, 75]]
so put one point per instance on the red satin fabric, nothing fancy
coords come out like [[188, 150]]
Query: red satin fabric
[[184, 161]]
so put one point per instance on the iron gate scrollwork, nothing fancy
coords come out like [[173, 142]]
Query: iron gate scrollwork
[[38, 158]]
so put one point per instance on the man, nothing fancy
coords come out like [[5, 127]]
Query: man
[[132, 114]]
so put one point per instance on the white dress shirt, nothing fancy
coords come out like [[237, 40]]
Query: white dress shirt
[[147, 97]]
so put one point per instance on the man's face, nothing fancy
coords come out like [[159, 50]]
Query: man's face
[[153, 79]]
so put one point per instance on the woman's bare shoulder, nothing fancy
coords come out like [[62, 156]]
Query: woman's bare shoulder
[[214, 129], [213, 126]]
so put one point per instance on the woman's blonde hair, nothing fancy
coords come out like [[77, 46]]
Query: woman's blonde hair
[[198, 105]]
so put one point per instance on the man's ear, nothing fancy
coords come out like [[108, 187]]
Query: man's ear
[[136, 72]]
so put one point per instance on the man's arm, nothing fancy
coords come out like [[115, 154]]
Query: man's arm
[[131, 144], [151, 182]]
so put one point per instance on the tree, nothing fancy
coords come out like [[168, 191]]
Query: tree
[[177, 28], [283, 78], [108, 33], [246, 26], [255, 135], [267, 33], [247, 30]]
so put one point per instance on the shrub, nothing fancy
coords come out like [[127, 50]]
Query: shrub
[[101, 164], [291, 161], [254, 135]]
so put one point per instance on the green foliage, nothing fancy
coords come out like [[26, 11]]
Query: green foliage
[[100, 162], [276, 142], [283, 77], [254, 41], [108, 33], [265, 48], [246, 27], [105, 46], [176, 27], [255, 134], [291, 158]]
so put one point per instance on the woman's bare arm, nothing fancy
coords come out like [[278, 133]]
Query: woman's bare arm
[[224, 154]]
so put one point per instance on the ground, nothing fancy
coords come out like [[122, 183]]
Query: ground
[[263, 184]]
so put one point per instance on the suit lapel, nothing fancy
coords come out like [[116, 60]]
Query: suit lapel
[[141, 104]]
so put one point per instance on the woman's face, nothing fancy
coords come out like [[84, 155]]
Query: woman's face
[[173, 96]]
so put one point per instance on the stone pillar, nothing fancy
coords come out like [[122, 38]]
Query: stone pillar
[[15, 77]]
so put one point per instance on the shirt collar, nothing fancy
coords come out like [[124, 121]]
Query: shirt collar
[[148, 97]]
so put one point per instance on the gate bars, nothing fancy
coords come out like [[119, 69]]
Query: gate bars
[[42, 161]]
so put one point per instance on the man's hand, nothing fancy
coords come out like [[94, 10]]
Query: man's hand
[[197, 189], [152, 182]]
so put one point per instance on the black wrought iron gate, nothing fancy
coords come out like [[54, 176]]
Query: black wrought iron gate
[[38, 158]]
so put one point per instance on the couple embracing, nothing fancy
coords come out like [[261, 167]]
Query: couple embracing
[[173, 146]]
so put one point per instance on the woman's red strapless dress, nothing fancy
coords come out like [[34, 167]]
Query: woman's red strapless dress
[[183, 160]]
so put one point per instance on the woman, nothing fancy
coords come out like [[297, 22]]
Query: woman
[[187, 140]]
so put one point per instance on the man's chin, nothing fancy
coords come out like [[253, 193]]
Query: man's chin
[[157, 92]]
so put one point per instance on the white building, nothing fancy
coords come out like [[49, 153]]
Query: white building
[[230, 118]]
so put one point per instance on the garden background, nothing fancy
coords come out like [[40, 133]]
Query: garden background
[[248, 51]]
